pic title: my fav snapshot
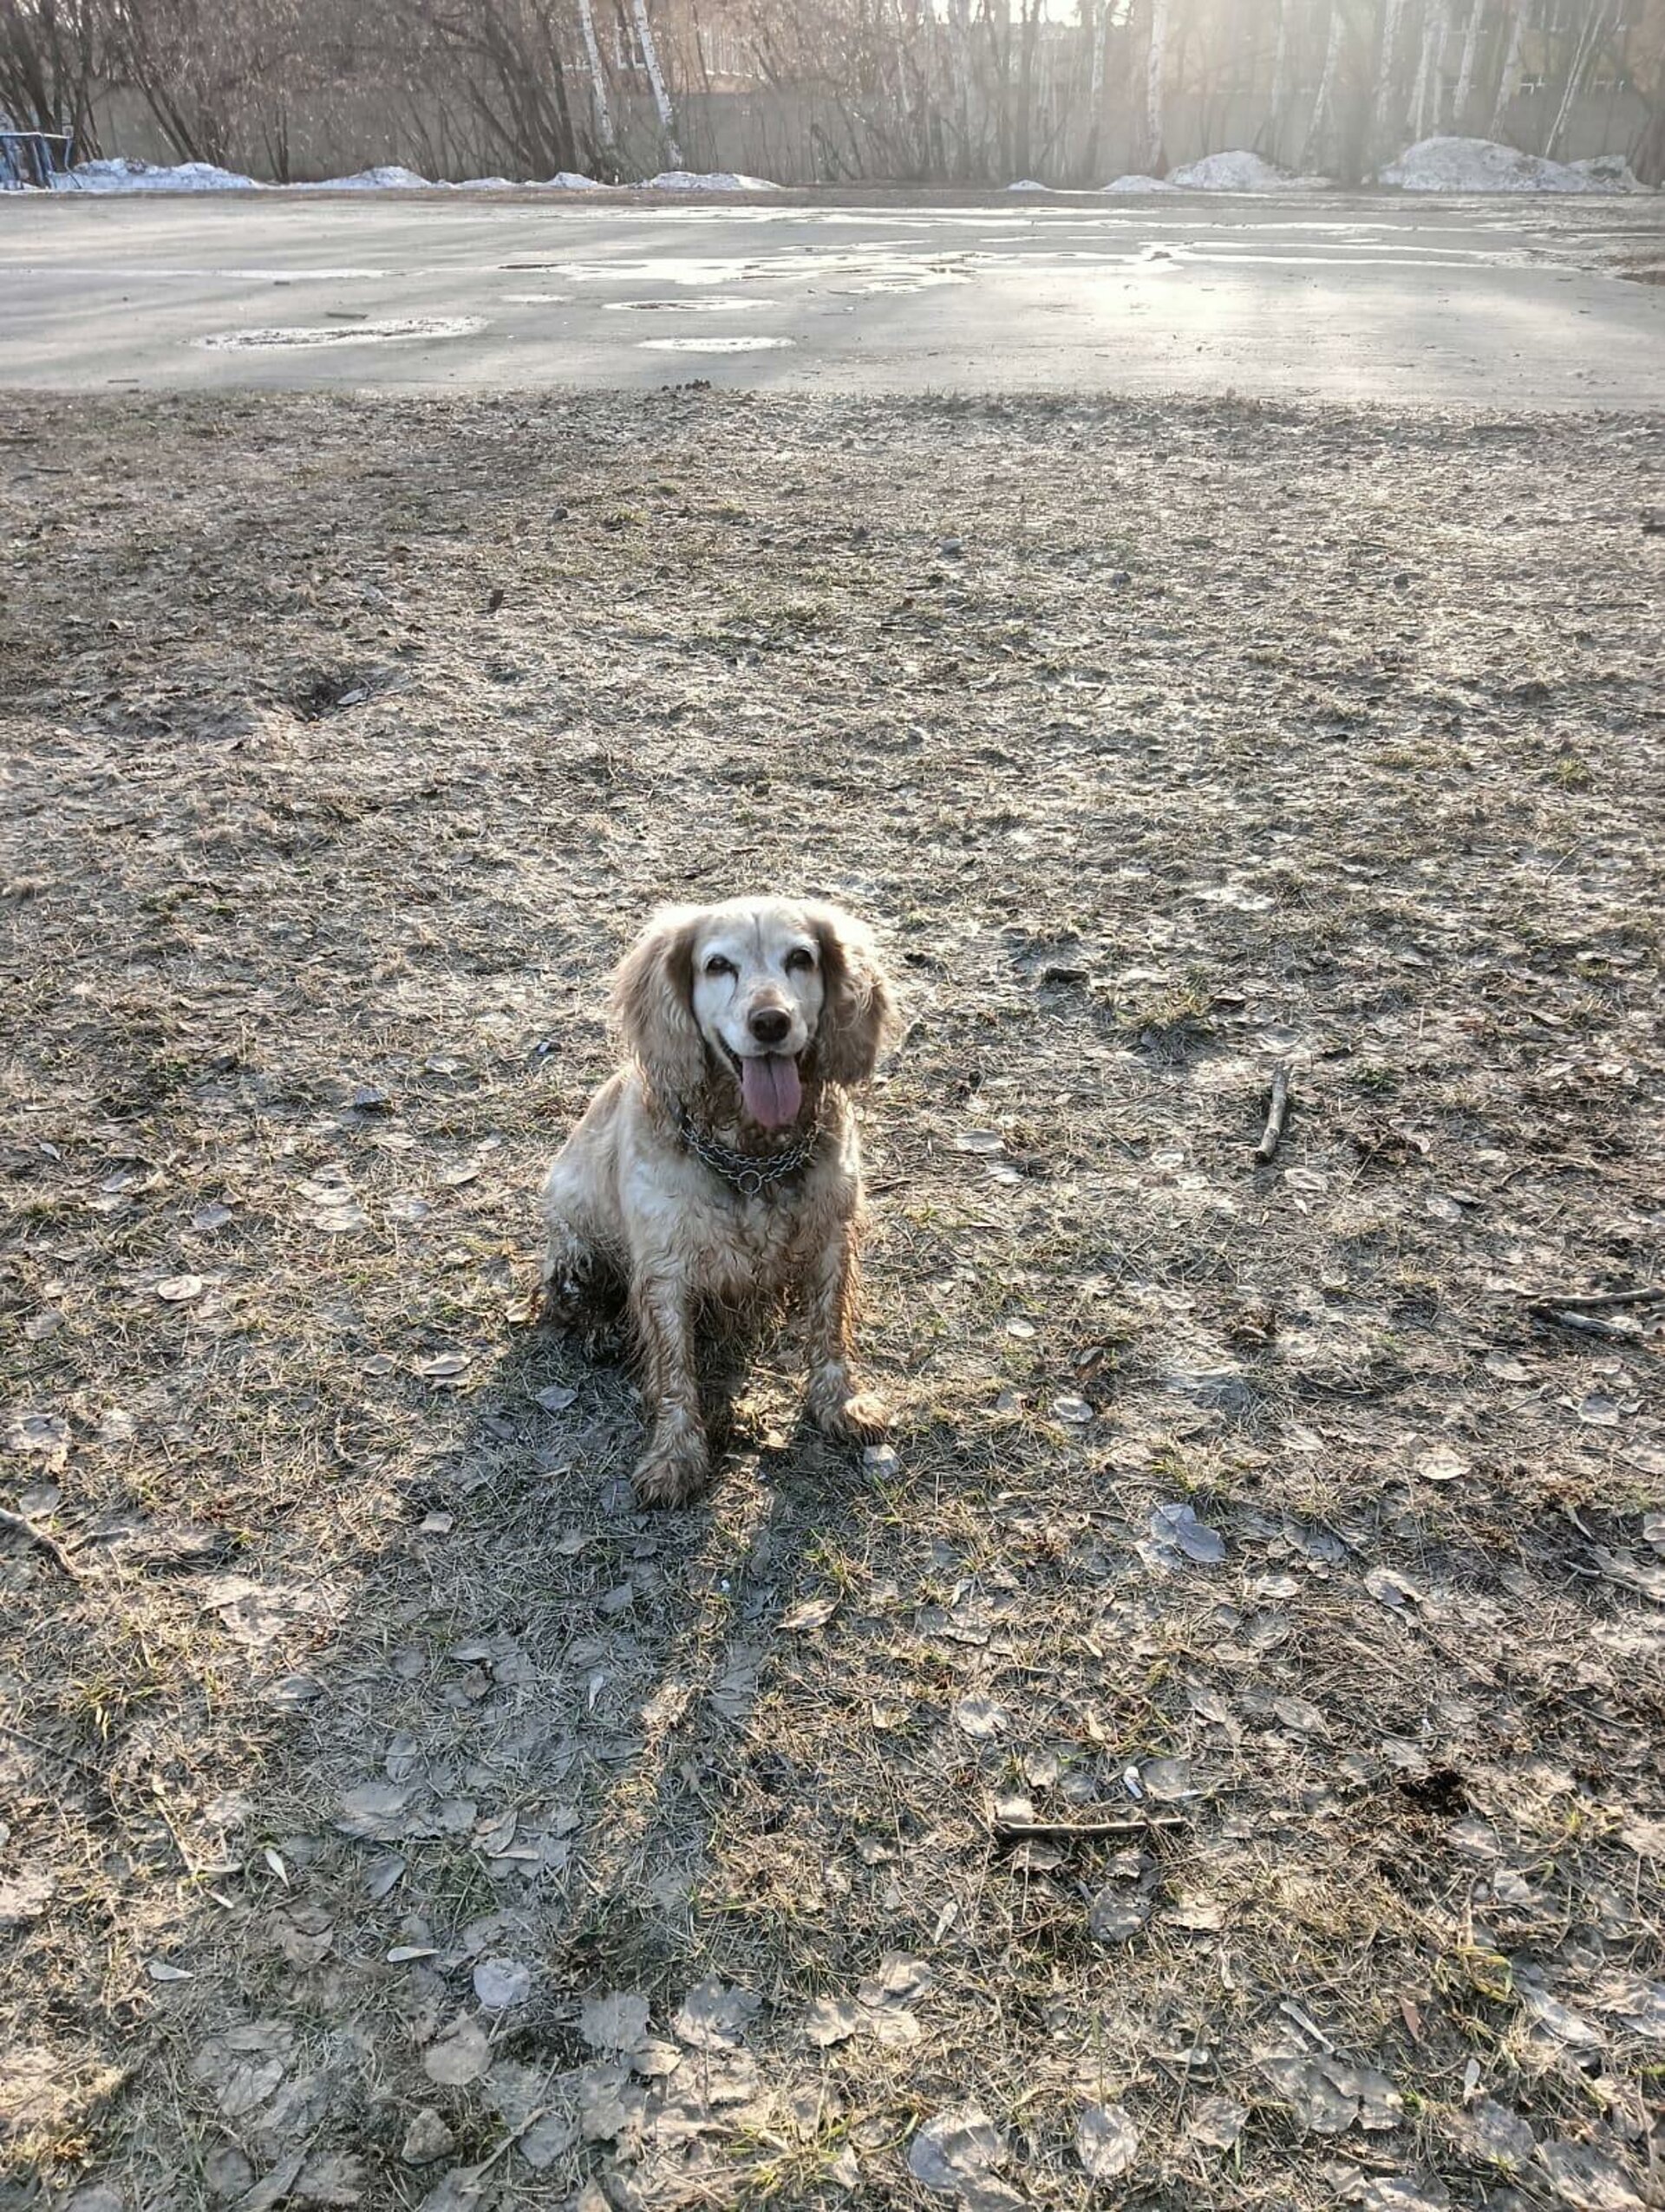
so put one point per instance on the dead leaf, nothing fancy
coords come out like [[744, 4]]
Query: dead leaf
[[548, 2139], [1492, 2132], [1117, 1914], [460, 2057], [981, 1718], [1566, 2026], [712, 2017], [1391, 1589], [831, 2019], [24, 1896], [813, 1613], [1168, 1780], [46, 1434], [983, 1141], [1586, 2180], [1441, 1464], [1106, 2142], [958, 2154], [617, 2020], [1176, 1528], [373, 1811], [502, 1983], [444, 1366], [1217, 2123]]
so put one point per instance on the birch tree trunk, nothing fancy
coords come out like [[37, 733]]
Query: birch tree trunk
[[1465, 66], [1436, 26], [656, 79], [1319, 122], [959, 26], [597, 81], [1509, 74], [1096, 21], [1280, 82], [1589, 45], [1387, 111], [1156, 156]]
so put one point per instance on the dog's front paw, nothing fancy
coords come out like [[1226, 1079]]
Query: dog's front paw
[[672, 1472], [854, 1418]]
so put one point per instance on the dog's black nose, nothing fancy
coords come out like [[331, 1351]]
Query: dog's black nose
[[769, 1025]]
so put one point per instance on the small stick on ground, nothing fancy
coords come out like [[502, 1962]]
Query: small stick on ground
[[1592, 1302], [15, 1524], [1025, 1832], [1272, 1136], [1587, 1324]]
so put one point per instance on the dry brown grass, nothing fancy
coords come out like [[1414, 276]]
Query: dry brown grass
[[1226, 736]]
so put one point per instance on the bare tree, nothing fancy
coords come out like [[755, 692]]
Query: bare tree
[[1587, 46], [1430, 82], [1318, 124], [1459, 98], [604, 135], [51, 53], [649, 53], [1155, 62], [1509, 73]]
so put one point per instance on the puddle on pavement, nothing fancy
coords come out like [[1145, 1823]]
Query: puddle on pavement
[[365, 333], [719, 306], [710, 345]]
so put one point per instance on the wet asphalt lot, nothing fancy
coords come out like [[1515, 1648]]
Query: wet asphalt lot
[[1473, 304]]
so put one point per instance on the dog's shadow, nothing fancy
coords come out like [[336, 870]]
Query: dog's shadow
[[672, 1616]]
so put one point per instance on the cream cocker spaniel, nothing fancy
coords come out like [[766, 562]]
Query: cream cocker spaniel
[[718, 1168]]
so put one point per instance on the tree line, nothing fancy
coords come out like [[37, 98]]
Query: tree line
[[971, 92]]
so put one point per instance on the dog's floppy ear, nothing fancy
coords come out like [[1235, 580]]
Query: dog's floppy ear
[[860, 1011], [653, 1003]]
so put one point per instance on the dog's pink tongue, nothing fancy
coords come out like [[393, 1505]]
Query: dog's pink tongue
[[770, 1088]]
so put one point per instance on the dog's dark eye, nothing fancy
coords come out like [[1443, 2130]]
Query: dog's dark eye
[[718, 966], [800, 958]]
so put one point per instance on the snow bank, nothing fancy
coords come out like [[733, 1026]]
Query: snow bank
[[1138, 183], [1029, 184], [573, 181], [390, 177], [706, 181], [1240, 171], [122, 175], [1481, 165], [1608, 172]]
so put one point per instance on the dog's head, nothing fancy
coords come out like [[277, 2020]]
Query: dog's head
[[773, 995]]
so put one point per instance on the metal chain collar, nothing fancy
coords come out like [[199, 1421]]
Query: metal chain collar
[[750, 1176]]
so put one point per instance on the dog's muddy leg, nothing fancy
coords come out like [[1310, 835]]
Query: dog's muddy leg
[[835, 1404], [677, 1462], [582, 1294]]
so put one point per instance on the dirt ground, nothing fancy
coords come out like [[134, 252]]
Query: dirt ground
[[389, 1814]]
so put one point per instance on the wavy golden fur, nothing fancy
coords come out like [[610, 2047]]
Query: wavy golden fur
[[748, 1024]]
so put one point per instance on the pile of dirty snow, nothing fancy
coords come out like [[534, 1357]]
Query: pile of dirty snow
[[1138, 182], [1482, 165], [706, 181], [573, 181], [388, 178], [122, 175], [1029, 184], [1240, 171]]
